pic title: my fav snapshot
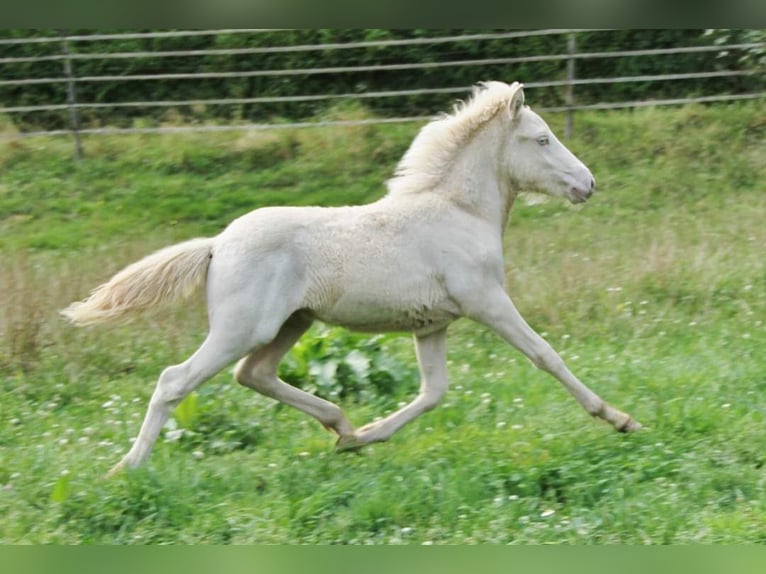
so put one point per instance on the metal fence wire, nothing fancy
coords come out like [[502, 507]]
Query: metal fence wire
[[69, 52]]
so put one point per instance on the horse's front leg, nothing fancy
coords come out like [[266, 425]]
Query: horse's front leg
[[431, 351], [496, 310]]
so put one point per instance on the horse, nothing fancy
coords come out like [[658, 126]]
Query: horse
[[428, 252]]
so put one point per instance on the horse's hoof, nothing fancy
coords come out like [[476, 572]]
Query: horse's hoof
[[348, 443], [629, 425], [115, 470]]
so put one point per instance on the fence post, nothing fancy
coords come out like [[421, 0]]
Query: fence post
[[71, 97], [569, 92]]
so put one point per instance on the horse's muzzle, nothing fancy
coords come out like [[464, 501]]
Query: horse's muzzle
[[579, 194]]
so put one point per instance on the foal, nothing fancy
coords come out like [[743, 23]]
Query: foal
[[428, 252]]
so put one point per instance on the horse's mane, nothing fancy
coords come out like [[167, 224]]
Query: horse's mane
[[427, 160]]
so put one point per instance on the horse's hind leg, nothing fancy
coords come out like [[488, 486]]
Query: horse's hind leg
[[174, 384], [258, 371]]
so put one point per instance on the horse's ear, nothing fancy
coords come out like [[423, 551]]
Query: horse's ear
[[516, 103]]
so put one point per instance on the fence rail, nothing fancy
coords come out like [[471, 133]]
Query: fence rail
[[566, 79], [133, 35], [398, 93], [352, 69]]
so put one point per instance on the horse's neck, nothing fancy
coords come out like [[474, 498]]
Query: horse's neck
[[476, 183]]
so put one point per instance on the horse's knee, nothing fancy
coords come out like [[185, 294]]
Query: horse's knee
[[546, 359]]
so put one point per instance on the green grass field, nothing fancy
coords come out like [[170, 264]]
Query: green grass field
[[654, 293]]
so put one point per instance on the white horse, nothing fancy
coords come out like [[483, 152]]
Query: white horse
[[427, 253]]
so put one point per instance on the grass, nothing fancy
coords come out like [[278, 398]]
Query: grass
[[653, 293]]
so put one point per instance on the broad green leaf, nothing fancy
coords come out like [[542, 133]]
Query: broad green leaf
[[61, 489], [186, 413]]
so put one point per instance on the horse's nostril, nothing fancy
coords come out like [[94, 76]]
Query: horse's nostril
[[592, 184]]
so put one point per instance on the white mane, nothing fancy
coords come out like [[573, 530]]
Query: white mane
[[428, 159]]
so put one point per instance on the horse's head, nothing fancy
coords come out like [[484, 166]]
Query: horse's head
[[538, 161]]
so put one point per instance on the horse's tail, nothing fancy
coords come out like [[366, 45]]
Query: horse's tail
[[168, 275]]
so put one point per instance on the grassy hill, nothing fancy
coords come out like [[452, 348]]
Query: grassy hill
[[653, 292]]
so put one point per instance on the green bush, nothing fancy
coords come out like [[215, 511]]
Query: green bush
[[340, 83], [337, 364]]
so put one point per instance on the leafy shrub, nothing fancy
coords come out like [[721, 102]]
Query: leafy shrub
[[752, 57], [339, 84], [339, 365]]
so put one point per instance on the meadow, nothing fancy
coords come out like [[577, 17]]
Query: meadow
[[654, 292]]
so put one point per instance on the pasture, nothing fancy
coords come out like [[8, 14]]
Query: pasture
[[654, 292]]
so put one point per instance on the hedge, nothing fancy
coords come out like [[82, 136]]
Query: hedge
[[458, 76]]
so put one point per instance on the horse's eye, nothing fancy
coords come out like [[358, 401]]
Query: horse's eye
[[543, 140]]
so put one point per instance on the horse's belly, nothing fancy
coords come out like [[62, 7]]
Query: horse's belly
[[366, 313]]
